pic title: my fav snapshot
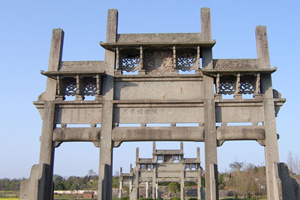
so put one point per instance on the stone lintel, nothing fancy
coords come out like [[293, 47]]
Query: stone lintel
[[54, 74], [162, 38], [214, 72], [156, 103], [239, 103], [71, 104], [155, 78], [168, 152], [79, 66], [76, 134], [158, 45], [158, 134], [240, 133], [235, 64]]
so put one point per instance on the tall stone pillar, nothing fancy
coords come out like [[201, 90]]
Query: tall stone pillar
[[121, 183], [154, 182], [271, 145], [137, 175], [40, 184], [137, 185], [106, 150], [211, 161], [120, 189], [198, 175], [147, 189], [182, 180], [156, 191]]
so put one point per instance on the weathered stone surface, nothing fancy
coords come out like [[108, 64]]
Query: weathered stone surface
[[86, 66], [290, 187], [235, 64], [141, 82], [164, 166], [159, 38]]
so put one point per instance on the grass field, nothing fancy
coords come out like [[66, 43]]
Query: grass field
[[9, 198]]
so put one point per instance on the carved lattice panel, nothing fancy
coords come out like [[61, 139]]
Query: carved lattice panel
[[130, 63], [69, 87], [227, 85], [247, 85], [89, 86], [186, 61], [187, 166], [159, 62], [160, 158], [143, 166]]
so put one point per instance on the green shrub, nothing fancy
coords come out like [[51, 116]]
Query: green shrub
[[176, 198], [236, 195], [125, 198]]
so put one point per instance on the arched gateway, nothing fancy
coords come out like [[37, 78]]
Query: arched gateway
[[156, 93]]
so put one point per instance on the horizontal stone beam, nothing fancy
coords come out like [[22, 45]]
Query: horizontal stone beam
[[129, 134], [158, 134], [76, 134], [229, 133]]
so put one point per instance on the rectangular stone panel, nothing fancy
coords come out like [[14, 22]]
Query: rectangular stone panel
[[191, 174], [145, 173], [78, 115], [239, 112], [167, 174], [161, 38], [159, 89], [157, 113], [235, 64], [171, 167]]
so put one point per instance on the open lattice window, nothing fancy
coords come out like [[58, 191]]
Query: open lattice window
[[186, 60]]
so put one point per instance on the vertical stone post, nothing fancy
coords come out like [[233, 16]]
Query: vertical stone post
[[46, 151], [156, 191], [205, 24], [181, 147], [120, 189], [198, 175], [40, 184], [182, 180], [137, 175], [211, 160], [154, 182], [147, 189], [271, 147], [137, 155], [121, 183], [106, 151]]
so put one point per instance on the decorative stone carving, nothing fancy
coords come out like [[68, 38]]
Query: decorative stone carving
[[90, 88], [159, 62], [186, 61], [247, 85], [227, 85], [130, 63], [70, 86]]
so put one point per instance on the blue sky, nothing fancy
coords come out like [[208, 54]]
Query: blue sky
[[25, 36]]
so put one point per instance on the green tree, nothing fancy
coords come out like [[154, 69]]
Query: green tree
[[236, 166], [59, 182], [115, 182], [91, 173], [174, 187]]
